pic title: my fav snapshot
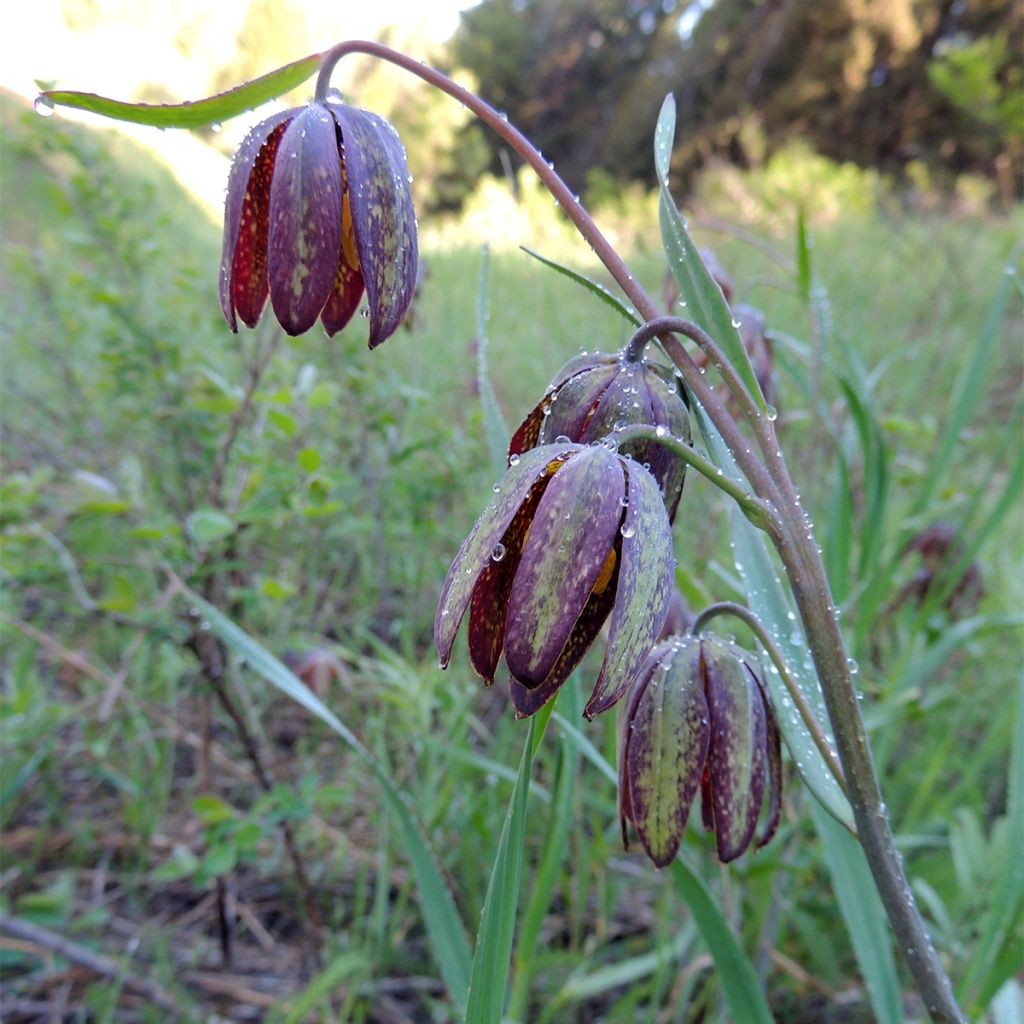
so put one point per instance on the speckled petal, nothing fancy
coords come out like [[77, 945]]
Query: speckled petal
[[305, 219], [737, 728], [490, 595], [382, 215], [535, 468], [624, 400], [528, 700], [572, 535], [573, 404], [666, 748], [343, 301], [243, 262], [774, 782], [669, 470], [644, 589]]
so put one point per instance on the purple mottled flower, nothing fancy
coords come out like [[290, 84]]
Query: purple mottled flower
[[698, 717], [575, 536], [318, 211]]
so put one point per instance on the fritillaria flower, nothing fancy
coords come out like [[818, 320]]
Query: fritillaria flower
[[595, 394], [574, 536], [319, 210], [698, 717]]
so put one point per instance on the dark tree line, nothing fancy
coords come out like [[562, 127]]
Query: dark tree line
[[877, 82]]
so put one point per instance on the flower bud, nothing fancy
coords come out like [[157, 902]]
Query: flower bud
[[593, 395]]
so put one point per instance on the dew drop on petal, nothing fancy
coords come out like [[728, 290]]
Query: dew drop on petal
[[497, 552]]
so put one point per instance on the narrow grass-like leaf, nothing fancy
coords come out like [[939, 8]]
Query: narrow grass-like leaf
[[983, 977], [705, 303], [803, 257], [839, 530], [492, 959], [349, 964], [195, 113], [625, 972], [864, 916], [546, 876], [495, 428], [970, 389], [593, 287], [735, 971], [447, 938]]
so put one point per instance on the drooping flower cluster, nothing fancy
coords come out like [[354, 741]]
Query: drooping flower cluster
[[698, 717], [318, 210]]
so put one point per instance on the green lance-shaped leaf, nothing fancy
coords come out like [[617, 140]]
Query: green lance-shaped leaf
[[704, 300], [195, 113]]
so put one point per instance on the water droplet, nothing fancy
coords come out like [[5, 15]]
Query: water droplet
[[661, 430], [771, 412], [496, 488], [364, 312], [43, 106], [497, 552], [628, 529], [513, 460], [562, 439]]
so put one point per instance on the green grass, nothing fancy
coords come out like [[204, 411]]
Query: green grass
[[127, 799]]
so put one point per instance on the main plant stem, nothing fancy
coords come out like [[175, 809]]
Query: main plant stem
[[791, 534]]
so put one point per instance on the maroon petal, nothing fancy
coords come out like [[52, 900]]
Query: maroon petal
[[669, 470], [535, 468], [573, 404], [382, 214], [774, 783], [243, 261], [528, 700], [570, 542], [305, 219], [643, 591], [343, 301], [735, 762], [625, 400], [667, 747], [490, 595]]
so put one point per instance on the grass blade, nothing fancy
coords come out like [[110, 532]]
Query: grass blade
[[546, 877], [196, 113], [593, 287], [735, 971], [864, 916], [983, 977], [444, 928], [495, 428], [704, 300], [493, 955]]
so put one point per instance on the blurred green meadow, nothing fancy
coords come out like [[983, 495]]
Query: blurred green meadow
[[315, 492]]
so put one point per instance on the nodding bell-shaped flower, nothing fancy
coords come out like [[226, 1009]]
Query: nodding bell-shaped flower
[[574, 536], [698, 717], [319, 209], [594, 394]]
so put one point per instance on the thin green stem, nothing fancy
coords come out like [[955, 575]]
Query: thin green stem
[[758, 510], [743, 613]]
